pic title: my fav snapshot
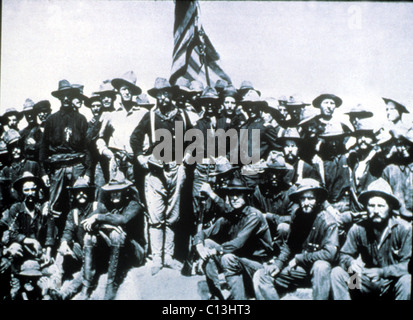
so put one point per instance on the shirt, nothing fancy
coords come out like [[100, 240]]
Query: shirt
[[246, 235], [117, 128], [310, 239], [391, 253], [65, 134]]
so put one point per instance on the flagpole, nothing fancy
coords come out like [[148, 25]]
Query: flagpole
[[203, 46]]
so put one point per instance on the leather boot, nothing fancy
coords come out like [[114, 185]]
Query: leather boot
[[169, 250], [87, 273], [111, 287], [156, 240]]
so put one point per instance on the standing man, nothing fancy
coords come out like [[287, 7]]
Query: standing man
[[117, 127], [164, 180], [310, 250], [64, 154], [384, 243], [31, 135], [10, 119]]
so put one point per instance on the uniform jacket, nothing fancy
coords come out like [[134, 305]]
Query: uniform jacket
[[392, 253]]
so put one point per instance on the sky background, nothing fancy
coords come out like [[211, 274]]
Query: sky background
[[359, 51]]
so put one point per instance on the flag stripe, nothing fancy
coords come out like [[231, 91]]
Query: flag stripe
[[186, 58]]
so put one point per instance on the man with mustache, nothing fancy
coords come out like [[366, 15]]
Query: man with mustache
[[306, 257], [117, 126], [69, 258], [27, 225], [119, 222], [238, 242], [165, 179], [374, 259], [18, 164], [64, 155], [291, 143]]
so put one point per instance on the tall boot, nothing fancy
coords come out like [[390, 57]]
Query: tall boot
[[169, 250], [87, 273], [156, 239], [112, 270]]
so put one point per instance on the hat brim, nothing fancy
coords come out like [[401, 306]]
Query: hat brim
[[153, 92], [401, 107], [217, 174], [19, 115], [17, 185], [317, 101], [366, 195], [115, 187], [228, 190], [360, 114], [117, 83], [242, 91], [33, 273], [261, 104], [70, 91], [321, 192]]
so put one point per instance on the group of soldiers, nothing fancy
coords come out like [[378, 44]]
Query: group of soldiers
[[328, 205]]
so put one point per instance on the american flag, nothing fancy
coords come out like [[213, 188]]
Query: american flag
[[194, 57]]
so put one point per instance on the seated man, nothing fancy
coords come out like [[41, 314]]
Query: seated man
[[385, 245], [118, 220], [309, 251], [238, 243], [27, 226], [69, 254]]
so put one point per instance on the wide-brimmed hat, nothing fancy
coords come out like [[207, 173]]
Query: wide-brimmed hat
[[106, 88], [11, 136], [182, 86], [64, 87], [365, 129], [317, 101], [220, 85], [80, 94], [90, 100], [236, 185], [30, 268], [333, 131], [143, 101], [399, 106], [229, 91], [359, 111], [11, 111], [245, 86], [282, 100], [3, 147], [196, 87], [276, 162], [118, 182], [160, 84], [209, 95], [28, 105], [295, 101], [127, 79], [253, 98], [43, 105], [27, 176], [81, 184], [222, 167], [379, 188], [289, 133], [309, 184]]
